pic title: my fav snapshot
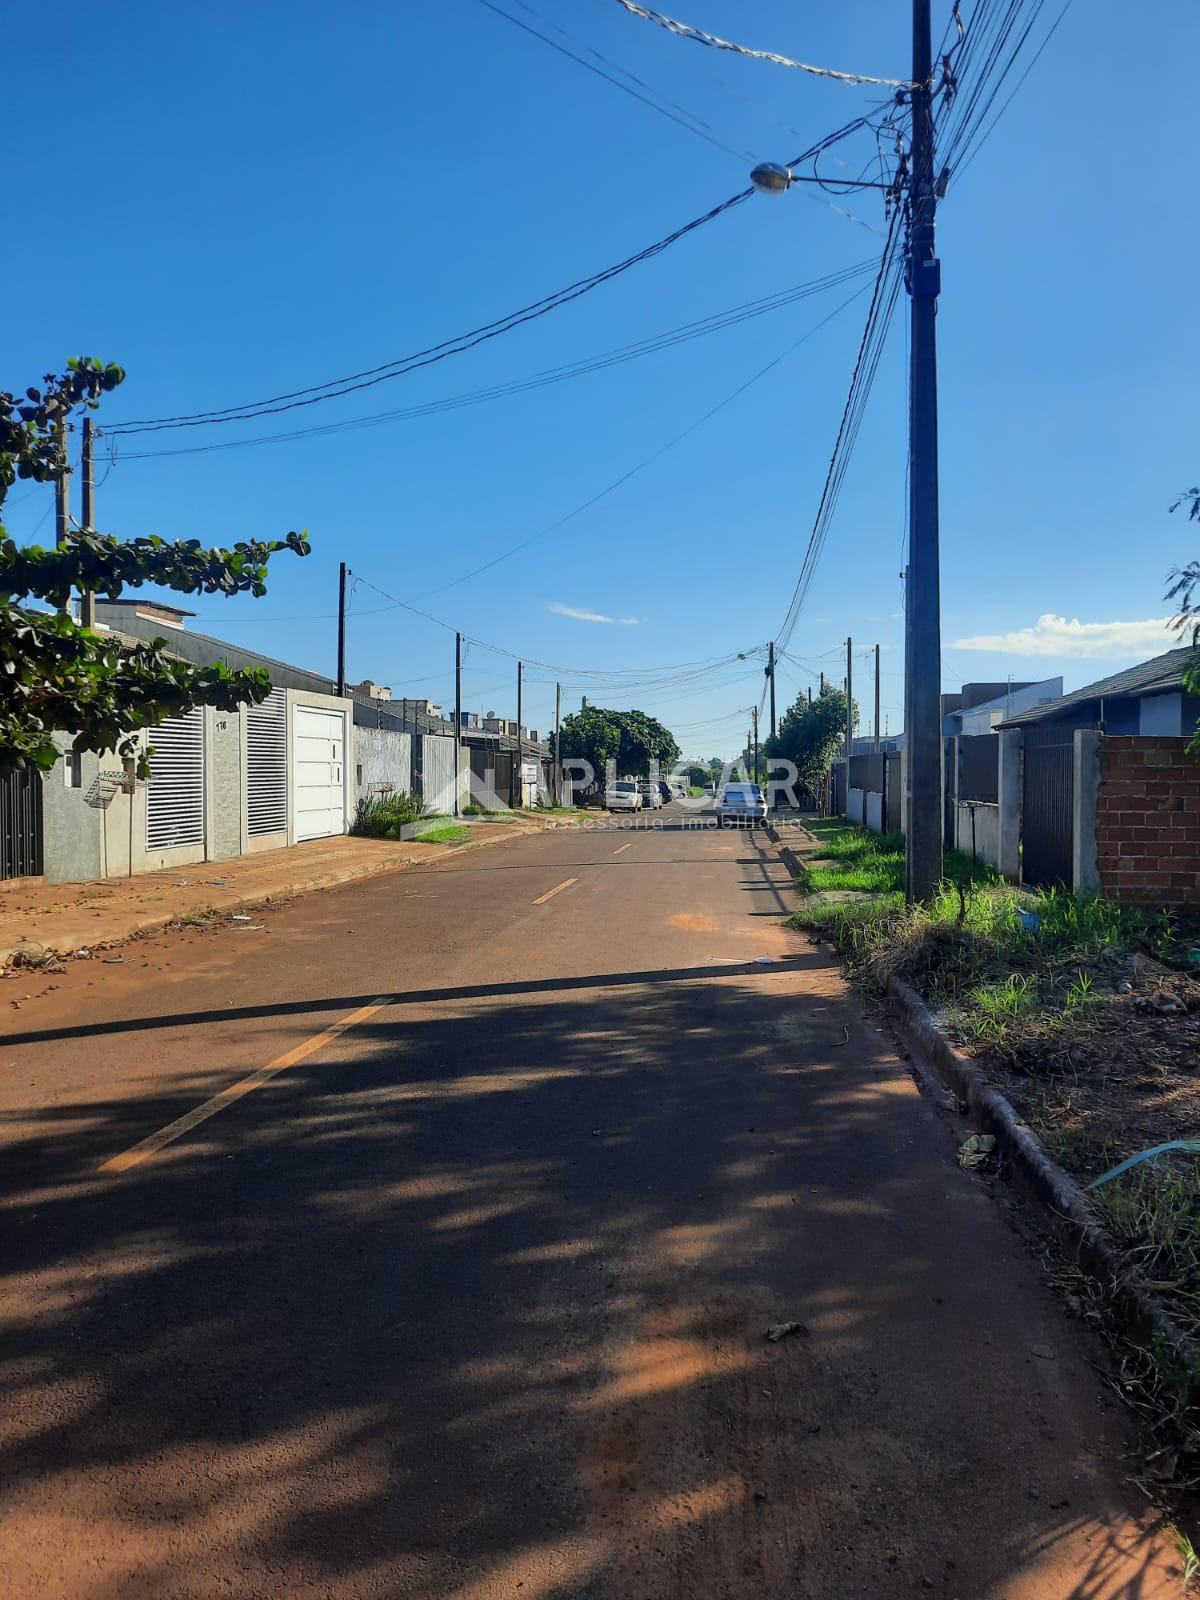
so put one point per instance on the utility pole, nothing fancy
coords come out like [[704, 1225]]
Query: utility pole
[[876, 699], [517, 796], [557, 734], [822, 683], [754, 714], [62, 493], [457, 713], [341, 662], [849, 705], [922, 628], [771, 675], [87, 600]]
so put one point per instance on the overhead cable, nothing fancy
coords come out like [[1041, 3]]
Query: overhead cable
[[684, 30], [716, 322]]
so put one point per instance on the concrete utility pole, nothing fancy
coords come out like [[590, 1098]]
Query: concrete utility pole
[[87, 600], [922, 626], [517, 797], [822, 683], [557, 756], [341, 661], [771, 675], [849, 704], [754, 714], [62, 494], [876, 699], [457, 713]]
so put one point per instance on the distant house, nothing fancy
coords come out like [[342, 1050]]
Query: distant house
[[1148, 699], [981, 707]]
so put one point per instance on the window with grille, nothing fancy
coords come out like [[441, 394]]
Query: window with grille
[[175, 798], [266, 764]]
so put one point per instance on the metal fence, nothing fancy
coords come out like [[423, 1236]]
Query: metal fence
[[21, 824], [979, 768]]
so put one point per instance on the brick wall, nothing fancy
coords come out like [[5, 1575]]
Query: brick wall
[[1148, 821]]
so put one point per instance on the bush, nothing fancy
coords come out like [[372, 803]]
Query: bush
[[381, 816]]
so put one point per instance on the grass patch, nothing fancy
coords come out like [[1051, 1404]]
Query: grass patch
[[871, 863], [444, 830]]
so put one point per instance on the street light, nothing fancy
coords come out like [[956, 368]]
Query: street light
[[770, 178]]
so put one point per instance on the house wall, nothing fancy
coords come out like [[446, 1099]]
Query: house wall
[[383, 761], [1148, 820]]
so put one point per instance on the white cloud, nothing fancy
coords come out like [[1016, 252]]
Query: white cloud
[[592, 616], [1097, 641]]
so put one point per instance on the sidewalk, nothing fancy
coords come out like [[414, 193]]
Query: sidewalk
[[36, 917]]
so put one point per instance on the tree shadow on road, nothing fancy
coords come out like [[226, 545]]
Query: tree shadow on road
[[472, 1305]]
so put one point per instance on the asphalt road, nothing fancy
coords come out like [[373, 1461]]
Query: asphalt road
[[467, 1300]]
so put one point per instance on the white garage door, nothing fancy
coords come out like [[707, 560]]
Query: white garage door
[[318, 772]]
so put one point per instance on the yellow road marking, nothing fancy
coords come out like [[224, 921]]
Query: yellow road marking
[[621, 847], [142, 1151], [557, 889]]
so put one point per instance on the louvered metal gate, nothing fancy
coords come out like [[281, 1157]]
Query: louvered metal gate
[[1047, 804], [21, 824], [175, 798], [266, 765]]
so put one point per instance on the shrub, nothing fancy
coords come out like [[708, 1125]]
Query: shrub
[[381, 816]]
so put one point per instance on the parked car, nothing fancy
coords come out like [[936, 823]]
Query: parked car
[[623, 795], [667, 791], [652, 798], [742, 804]]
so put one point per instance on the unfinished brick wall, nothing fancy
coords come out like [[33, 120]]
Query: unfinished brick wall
[[1148, 821]]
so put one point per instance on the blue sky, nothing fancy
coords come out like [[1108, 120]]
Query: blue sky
[[235, 201]]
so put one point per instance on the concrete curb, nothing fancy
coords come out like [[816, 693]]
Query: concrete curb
[[786, 854], [1087, 1241], [150, 922]]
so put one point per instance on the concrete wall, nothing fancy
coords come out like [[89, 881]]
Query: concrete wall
[[1147, 829], [874, 812], [224, 800], [855, 805], [987, 831], [383, 761], [72, 823]]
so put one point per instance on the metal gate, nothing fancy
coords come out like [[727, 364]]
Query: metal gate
[[1047, 804], [21, 824]]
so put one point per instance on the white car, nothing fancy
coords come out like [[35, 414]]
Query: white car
[[742, 805], [623, 795]]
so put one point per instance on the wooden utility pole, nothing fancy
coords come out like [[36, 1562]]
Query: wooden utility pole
[[341, 653], [457, 713], [922, 627]]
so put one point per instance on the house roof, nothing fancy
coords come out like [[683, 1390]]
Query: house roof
[[1149, 677]]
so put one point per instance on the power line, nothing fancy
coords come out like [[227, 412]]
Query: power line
[[682, 118], [883, 301], [335, 387], [647, 460], [716, 322], [684, 30]]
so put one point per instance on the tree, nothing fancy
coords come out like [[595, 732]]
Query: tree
[[632, 740], [810, 733], [1184, 581], [57, 677], [697, 776]]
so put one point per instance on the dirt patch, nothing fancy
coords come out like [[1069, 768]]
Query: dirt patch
[[690, 923]]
